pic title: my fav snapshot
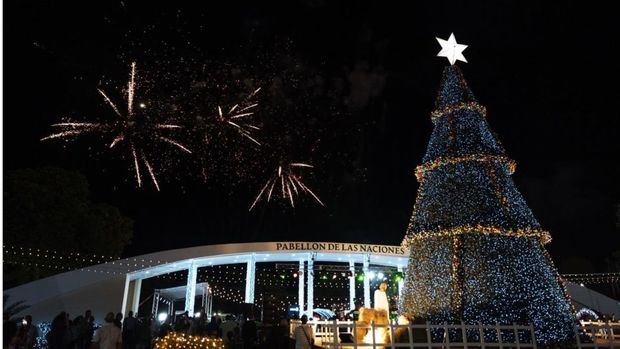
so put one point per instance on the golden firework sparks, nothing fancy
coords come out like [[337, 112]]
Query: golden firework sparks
[[291, 185], [130, 129], [239, 114]]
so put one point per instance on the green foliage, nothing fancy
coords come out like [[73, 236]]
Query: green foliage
[[49, 208]]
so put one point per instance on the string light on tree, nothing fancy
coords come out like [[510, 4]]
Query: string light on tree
[[477, 251]]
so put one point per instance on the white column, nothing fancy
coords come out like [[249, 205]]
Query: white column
[[300, 287], [190, 290], [366, 269], [208, 302], [135, 302], [210, 305], [352, 285], [400, 283], [203, 299], [125, 294], [250, 279], [310, 273]]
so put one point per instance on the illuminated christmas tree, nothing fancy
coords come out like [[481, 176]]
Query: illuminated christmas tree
[[477, 252]]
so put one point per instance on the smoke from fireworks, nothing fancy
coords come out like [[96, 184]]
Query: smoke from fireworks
[[134, 130], [289, 185]]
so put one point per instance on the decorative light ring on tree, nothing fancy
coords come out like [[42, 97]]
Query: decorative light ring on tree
[[422, 170], [449, 109], [542, 235]]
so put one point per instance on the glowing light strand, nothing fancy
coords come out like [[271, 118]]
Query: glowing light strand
[[450, 109], [477, 252], [423, 169], [174, 340]]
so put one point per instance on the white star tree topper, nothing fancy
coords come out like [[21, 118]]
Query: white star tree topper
[[452, 50]]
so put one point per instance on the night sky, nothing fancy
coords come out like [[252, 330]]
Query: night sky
[[348, 87]]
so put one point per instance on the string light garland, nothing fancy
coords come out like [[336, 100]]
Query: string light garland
[[222, 279], [586, 312], [78, 259], [450, 109], [220, 274], [593, 278], [540, 234], [174, 340], [43, 329], [52, 253], [421, 170], [476, 250], [53, 256], [204, 276], [227, 294]]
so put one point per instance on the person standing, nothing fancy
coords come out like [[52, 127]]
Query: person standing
[[228, 326], [154, 326], [87, 330], [28, 333], [129, 331], [165, 328], [248, 333], [285, 332], [236, 338], [118, 320], [143, 333], [10, 338], [180, 324], [75, 329], [277, 335], [304, 335], [212, 327], [109, 335], [59, 336]]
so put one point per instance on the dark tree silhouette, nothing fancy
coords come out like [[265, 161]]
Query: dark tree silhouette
[[49, 208]]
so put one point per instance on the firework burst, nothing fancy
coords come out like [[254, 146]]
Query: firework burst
[[286, 182], [225, 135], [238, 115], [132, 128]]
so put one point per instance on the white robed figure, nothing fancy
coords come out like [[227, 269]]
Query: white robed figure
[[381, 301]]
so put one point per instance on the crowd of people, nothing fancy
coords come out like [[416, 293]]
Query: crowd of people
[[81, 332], [130, 332]]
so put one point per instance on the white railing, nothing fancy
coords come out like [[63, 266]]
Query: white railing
[[348, 334], [597, 334]]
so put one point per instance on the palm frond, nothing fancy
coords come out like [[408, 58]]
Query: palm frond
[[12, 309]]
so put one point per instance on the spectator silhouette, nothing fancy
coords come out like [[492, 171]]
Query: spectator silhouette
[[109, 335], [129, 331]]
